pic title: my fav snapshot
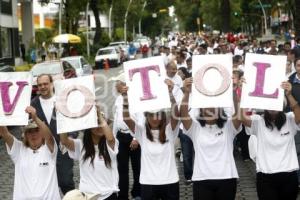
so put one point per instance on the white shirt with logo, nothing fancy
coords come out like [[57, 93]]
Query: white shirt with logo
[[213, 151], [97, 178], [276, 151], [158, 166], [35, 172]]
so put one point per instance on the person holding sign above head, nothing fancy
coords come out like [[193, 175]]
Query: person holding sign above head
[[34, 159], [97, 156], [214, 174], [44, 105], [159, 177], [276, 158]]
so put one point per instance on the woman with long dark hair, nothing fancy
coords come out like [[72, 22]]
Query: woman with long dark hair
[[97, 155], [276, 157], [214, 174], [159, 177]]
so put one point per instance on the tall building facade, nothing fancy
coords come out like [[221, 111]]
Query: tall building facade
[[9, 36]]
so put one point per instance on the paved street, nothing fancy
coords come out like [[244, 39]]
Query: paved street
[[106, 95]]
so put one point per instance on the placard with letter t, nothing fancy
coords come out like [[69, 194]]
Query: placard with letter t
[[146, 81]]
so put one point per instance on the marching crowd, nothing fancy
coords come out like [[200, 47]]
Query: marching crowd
[[44, 159]]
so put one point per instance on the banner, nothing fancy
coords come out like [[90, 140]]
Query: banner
[[75, 104], [263, 77], [146, 81], [15, 89], [212, 76]]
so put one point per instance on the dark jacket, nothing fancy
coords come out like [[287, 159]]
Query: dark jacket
[[295, 91], [35, 102]]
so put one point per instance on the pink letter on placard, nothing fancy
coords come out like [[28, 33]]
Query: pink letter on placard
[[62, 107], [147, 94], [260, 82], [199, 79], [8, 107]]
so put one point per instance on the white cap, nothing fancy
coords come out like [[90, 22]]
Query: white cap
[[77, 195]]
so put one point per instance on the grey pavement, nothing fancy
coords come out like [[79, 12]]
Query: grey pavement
[[105, 95]]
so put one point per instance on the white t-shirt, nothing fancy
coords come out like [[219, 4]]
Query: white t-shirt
[[97, 179], [35, 172], [47, 106], [119, 124], [158, 166], [276, 151], [213, 151]]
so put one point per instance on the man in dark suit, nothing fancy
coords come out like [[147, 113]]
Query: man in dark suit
[[44, 105], [294, 79]]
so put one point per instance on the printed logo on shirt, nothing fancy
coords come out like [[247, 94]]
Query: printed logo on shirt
[[284, 134], [44, 164], [219, 134]]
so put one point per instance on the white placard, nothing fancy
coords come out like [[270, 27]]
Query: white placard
[[156, 85], [82, 94], [15, 113], [274, 75], [217, 67]]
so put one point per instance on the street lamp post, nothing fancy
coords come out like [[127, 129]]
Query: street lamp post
[[125, 21], [59, 25], [265, 16], [140, 21], [87, 29], [109, 20]]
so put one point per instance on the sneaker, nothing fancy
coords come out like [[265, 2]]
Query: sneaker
[[178, 152], [188, 182]]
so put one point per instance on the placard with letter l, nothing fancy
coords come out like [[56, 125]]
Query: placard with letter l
[[263, 77]]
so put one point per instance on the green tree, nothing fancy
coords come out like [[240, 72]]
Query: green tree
[[297, 17]]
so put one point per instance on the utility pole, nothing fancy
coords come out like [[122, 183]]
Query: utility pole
[[125, 21]]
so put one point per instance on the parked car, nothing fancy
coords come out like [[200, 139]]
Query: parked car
[[80, 64], [59, 70], [141, 41], [121, 45], [7, 68], [109, 54]]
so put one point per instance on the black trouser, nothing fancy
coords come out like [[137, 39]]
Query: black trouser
[[64, 167], [123, 159], [112, 197], [277, 186], [188, 155], [162, 192], [242, 138], [223, 189]]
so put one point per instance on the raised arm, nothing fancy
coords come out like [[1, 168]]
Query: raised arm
[[236, 102], [105, 129], [7, 136], [126, 117], [184, 107], [174, 106], [67, 142], [287, 86], [44, 130]]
